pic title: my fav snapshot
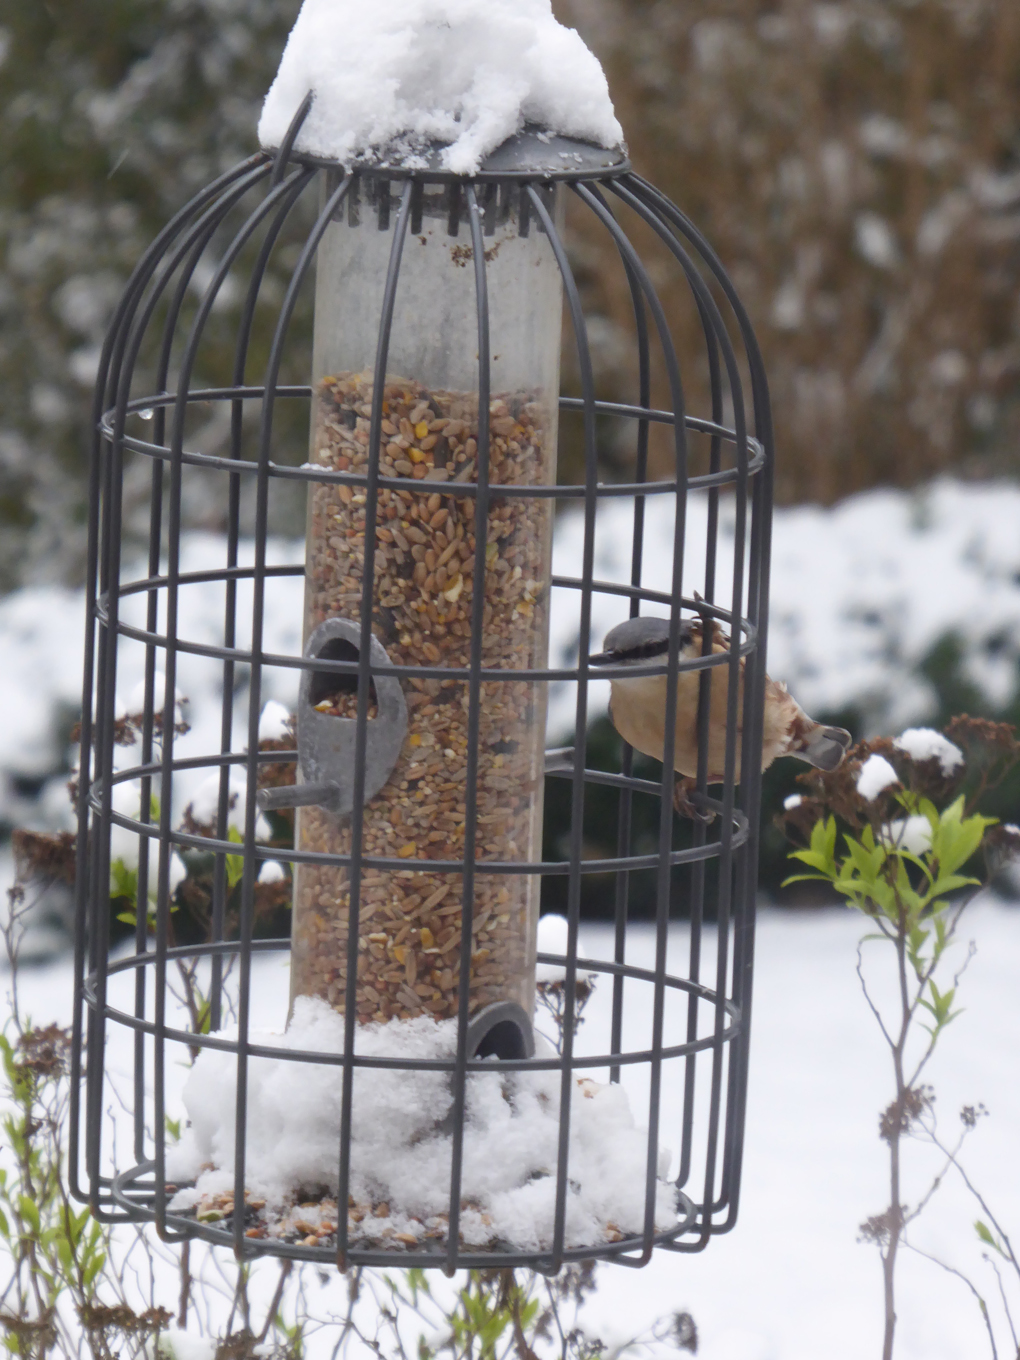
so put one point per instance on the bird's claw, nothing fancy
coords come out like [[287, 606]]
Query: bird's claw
[[687, 807]]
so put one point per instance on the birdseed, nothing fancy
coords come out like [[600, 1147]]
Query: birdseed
[[409, 946]]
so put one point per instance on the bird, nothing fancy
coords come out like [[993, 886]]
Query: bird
[[637, 707]]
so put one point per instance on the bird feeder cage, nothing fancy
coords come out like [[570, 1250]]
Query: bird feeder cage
[[415, 767]]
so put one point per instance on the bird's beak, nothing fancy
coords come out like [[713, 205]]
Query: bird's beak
[[602, 659]]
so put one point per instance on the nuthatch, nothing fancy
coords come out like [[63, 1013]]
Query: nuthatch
[[637, 707]]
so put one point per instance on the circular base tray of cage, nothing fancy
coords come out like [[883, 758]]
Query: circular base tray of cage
[[401, 1144], [308, 1227]]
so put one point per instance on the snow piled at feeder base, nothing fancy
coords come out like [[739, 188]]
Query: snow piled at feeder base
[[401, 1143], [397, 76]]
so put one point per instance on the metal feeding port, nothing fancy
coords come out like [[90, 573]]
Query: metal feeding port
[[327, 739], [386, 834]]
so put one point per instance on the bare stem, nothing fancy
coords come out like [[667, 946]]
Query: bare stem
[[895, 1215], [182, 1306], [275, 1301], [951, 1270]]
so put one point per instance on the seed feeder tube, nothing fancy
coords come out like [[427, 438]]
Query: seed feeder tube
[[424, 481]]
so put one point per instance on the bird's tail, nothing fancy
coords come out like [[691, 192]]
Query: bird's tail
[[825, 747]]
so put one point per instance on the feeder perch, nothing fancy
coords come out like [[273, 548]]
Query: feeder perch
[[424, 671]]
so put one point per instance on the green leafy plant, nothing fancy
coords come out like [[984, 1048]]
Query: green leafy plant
[[71, 1286], [60, 1293], [488, 1315], [910, 851], [67, 1293]]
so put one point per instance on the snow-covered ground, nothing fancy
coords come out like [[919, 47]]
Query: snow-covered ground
[[791, 1281], [860, 594]]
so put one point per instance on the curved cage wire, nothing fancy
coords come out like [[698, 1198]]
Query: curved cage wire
[[686, 1063]]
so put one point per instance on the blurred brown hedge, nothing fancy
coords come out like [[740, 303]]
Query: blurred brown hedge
[[855, 164], [857, 168]]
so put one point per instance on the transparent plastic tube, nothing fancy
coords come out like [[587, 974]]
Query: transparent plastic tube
[[422, 591]]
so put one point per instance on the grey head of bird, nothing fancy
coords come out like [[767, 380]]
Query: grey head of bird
[[640, 641]]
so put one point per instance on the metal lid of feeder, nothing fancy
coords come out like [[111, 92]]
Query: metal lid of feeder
[[533, 153]]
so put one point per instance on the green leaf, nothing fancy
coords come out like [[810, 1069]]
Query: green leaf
[[988, 1237], [235, 863], [867, 859], [956, 838], [93, 1268], [76, 1224], [29, 1213], [418, 1280], [123, 881], [949, 883], [940, 1007], [823, 841], [10, 1067], [812, 859], [805, 878], [821, 850], [528, 1313], [917, 937]]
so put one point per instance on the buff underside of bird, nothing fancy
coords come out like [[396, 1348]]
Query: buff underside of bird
[[638, 707]]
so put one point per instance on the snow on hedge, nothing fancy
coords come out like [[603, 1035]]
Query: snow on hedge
[[860, 594], [875, 777], [922, 743], [400, 74], [41, 640]]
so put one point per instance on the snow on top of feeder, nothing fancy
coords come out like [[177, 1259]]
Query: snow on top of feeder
[[924, 743], [876, 774], [401, 74], [401, 1141]]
